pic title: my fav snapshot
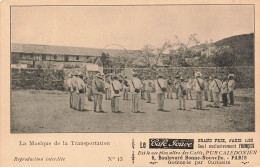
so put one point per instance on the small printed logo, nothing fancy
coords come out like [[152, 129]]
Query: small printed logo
[[171, 143]]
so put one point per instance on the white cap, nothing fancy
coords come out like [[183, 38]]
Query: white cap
[[231, 75], [197, 74]]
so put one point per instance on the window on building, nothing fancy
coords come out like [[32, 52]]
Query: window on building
[[23, 56], [77, 57], [37, 57], [43, 57], [55, 57], [66, 58]]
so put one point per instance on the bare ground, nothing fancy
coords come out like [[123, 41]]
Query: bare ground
[[35, 111]]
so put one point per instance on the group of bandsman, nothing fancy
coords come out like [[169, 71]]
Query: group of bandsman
[[83, 89]]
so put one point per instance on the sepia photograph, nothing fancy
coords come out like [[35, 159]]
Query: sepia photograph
[[132, 69]]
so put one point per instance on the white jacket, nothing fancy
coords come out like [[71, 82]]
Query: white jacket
[[135, 83], [231, 85], [206, 84], [224, 87], [124, 86], [69, 83], [107, 83], [149, 85], [74, 82], [182, 87], [210, 85], [216, 86], [117, 86], [162, 83], [197, 85], [189, 84], [80, 85]]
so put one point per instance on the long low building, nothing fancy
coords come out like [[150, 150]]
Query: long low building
[[52, 53], [34, 53]]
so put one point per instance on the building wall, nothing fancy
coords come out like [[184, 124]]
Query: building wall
[[27, 57], [54, 57], [76, 58], [71, 58]]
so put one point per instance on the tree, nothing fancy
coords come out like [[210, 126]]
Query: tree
[[183, 47], [224, 57], [180, 51], [151, 56], [123, 59], [166, 46], [105, 59], [147, 55]]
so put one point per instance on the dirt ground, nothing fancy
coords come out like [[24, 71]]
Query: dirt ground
[[37, 111]]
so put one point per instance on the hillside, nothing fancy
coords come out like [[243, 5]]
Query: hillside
[[242, 47], [238, 40]]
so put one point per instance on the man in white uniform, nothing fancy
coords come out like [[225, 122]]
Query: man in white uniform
[[148, 89], [74, 86], [107, 87], [216, 89], [177, 84], [210, 89], [81, 91], [115, 87], [135, 86], [189, 88], [206, 89], [160, 88], [199, 88], [98, 88], [125, 88], [70, 88], [182, 89], [169, 88]]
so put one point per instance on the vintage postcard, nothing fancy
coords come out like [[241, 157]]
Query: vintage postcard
[[129, 83]]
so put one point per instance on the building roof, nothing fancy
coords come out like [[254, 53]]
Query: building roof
[[60, 50]]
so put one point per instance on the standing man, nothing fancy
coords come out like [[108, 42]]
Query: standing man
[[74, 93], [224, 91], [98, 89], [135, 86], [70, 88], [169, 88], [81, 90], [125, 88], [160, 88], [148, 89], [231, 88], [199, 88], [181, 94], [177, 84], [115, 87], [142, 89], [189, 88], [89, 87], [216, 89], [206, 89], [107, 87], [210, 89]]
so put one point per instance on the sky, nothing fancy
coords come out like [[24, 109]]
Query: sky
[[129, 26]]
